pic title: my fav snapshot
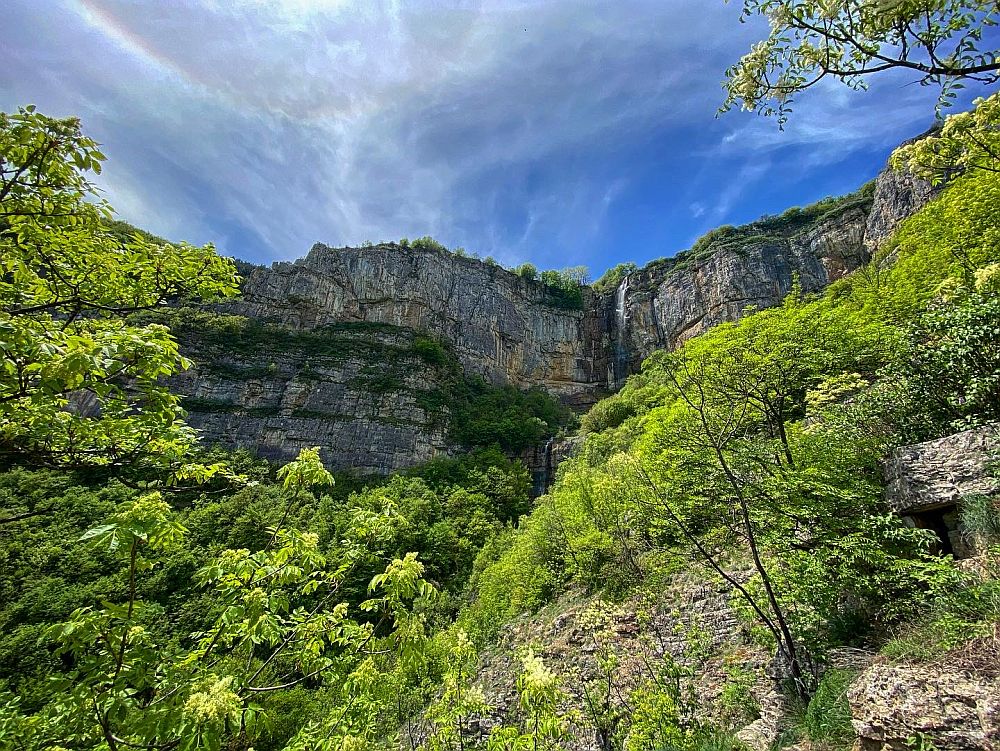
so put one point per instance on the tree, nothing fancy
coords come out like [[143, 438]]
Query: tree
[[849, 40], [80, 379], [527, 271], [724, 465], [277, 621], [953, 363], [968, 141]]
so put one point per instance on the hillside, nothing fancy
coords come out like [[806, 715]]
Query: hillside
[[336, 366], [292, 508]]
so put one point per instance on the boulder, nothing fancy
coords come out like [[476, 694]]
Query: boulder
[[895, 706], [941, 472]]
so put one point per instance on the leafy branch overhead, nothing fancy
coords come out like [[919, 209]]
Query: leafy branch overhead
[[80, 384], [968, 141], [940, 42]]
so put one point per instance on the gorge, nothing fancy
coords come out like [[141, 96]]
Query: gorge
[[337, 359]]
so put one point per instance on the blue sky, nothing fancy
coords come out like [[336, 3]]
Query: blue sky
[[559, 133]]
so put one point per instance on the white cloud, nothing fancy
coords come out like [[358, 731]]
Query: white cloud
[[513, 128]]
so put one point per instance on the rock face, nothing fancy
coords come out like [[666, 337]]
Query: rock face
[[689, 623], [501, 326], [894, 705], [508, 329], [897, 196], [364, 395], [930, 475], [665, 308], [926, 482]]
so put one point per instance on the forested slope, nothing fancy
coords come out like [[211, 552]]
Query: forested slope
[[161, 595]]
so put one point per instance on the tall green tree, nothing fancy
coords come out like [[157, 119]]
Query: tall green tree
[[725, 460], [275, 619], [81, 383]]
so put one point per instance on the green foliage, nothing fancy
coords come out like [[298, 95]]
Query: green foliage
[[431, 351], [68, 282], [954, 367], [810, 40], [213, 333], [526, 271], [772, 430], [457, 701], [953, 236], [513, 573], [486, 471], [449, 526], [427, 243], [967, 141], [952, 619], [266, 622], [664, 715], [608, 413], [484, 415], [827, 718], [980, 518], [611, 278], [564, 289], [738, 706], [541, 726]]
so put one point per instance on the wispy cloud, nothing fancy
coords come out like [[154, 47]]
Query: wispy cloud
[[557, 132]]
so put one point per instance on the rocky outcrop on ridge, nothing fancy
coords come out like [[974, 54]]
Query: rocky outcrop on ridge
[[506, 328], [933, 474], [894, 707]]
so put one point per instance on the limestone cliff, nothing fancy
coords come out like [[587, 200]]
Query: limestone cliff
[[506, 328], [372, 413]]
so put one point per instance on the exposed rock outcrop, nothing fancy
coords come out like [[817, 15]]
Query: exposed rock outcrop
[[365, 396], [506, 328], [501, 326], [926, 482], [930, 475], [897, 195], [667, 307], [893, 706], [691, 624]]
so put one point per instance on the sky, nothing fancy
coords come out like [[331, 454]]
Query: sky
[[555, 132]]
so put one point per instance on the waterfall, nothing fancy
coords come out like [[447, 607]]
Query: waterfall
[[543, 477], [621, 355]]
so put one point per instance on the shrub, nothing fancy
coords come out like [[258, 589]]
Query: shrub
[[427, 243], [828, 716], [611, 278], [527, 271], [608, 413]]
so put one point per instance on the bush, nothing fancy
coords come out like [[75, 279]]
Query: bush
[[608, 413], [963, 615], [514, 420], [980, 517], [565, 288], [430, 350], [828, 716], [427, 243], [527, 271], [611, 278]]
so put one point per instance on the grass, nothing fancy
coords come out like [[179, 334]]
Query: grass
[[952, 627], [827, 718]]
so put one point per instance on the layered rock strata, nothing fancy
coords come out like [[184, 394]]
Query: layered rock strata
[[506, 328], [898, 706]]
